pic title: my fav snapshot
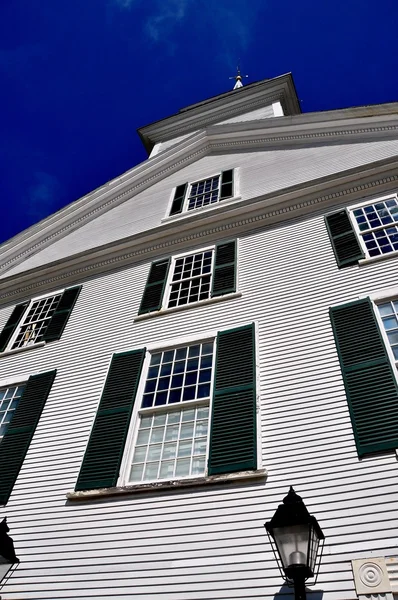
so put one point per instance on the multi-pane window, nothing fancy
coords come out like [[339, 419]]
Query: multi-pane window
[[203, 193], [34, 324], [9, 398], [378, 226], [389, 315], [191, 278], [174, 414]]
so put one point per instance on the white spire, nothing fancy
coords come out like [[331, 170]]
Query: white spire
[[238, 78]]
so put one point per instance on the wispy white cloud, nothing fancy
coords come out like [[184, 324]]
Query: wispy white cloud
[[43, 195], [169, 13], [127, 4]]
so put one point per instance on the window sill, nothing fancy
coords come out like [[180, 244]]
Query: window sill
[[372, 259], [200, 211], [24, 349], [167, 485], [166, 311]]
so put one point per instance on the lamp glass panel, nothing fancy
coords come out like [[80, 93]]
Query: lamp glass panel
[[314, 545], [292, 544]]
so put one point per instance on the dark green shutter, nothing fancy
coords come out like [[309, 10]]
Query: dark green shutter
[[178, 200], [154, 289], [61, 315], [224, 278], [18, 436], [233, 420], [344, 240], [12, 324], [227, 184], [370, 384], [101, 463]]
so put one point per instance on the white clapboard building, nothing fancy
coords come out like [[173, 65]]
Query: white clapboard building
[[183, 344]]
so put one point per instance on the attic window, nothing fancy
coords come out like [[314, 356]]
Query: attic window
[[190, 196], [203, 193]]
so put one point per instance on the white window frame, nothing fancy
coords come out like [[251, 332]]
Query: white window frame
[[23, 319], [360, 233], [12, 385], [384, 300], [132, 435], [189, 189], [169, 282], [185, 211]]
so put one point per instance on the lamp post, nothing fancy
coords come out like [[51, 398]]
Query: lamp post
[[297, 537], [7, 552]]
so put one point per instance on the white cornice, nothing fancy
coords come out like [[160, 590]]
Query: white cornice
[[223, 107], [231, 137], [229, 219]]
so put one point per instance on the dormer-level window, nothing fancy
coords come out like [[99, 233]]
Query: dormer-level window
[[377, 225], [368, 230], [199, 194]]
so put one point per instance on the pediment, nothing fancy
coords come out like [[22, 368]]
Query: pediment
[[297, 151]]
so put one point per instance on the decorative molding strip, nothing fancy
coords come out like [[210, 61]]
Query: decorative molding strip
[[307, 136], [160, 166], [220, 116], [109, 203], [244, 224]]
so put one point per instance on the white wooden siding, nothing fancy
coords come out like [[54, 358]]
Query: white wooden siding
[[206, 542], [265, 112], [162, 146], [260, 173]]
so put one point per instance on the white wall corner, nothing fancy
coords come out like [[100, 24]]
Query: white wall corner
[[155, 150], [371, 579], [278, 110]]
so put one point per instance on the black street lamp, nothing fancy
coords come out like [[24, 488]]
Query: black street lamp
[[297, 537], [7, 552]]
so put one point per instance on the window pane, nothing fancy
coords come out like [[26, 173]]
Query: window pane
[[182, 467], [151, 471], [191, 278], [33, 326], [136, 472], [375, 224], [9, 399], [177, 381], [175, 454]]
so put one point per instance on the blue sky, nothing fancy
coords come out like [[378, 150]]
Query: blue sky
[[79, 77]]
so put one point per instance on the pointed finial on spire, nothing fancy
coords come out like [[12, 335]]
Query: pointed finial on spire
[[238, 77]]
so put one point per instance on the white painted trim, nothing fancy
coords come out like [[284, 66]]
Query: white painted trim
[[22, 349], [18, 379], [176, 484], [205, 209], [353, 124], [166, 311], [372, 259], [173, 259], [278, 110], [242, 217]]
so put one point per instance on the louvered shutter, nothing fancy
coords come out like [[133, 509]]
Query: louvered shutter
[[227, 184], [370, 384], [178, 200], [344, 240], [12, 324], [101, 463], [224, 278], [154, 289], [233, 421], [61, 314], [16, 441]]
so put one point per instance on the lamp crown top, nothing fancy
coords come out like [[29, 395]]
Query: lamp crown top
[[292, 497]]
